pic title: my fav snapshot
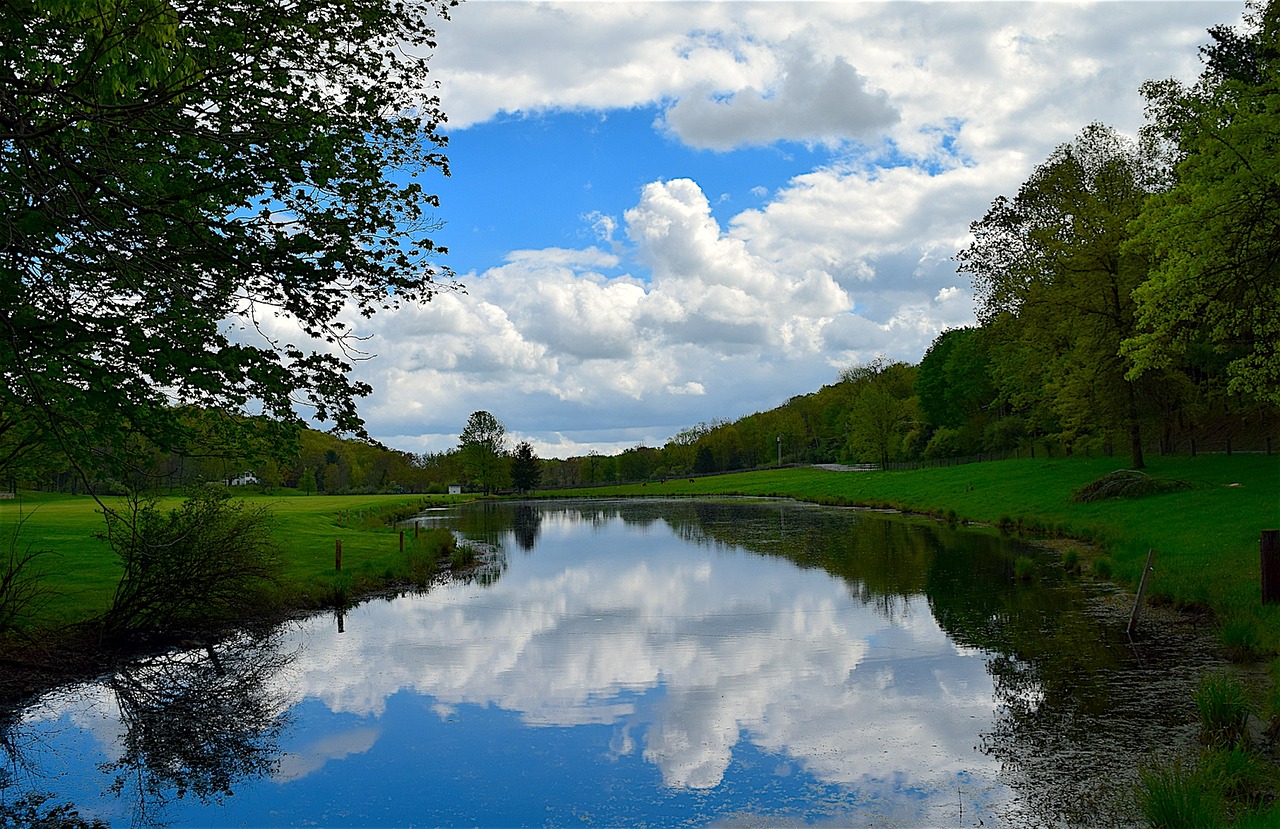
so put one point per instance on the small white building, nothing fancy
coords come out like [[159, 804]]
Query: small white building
[[243, 479], [455, 489]]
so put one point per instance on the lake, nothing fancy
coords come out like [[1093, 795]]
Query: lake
[[737, 663]]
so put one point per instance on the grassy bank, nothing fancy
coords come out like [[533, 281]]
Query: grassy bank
[[1205, 536], [81, 571]]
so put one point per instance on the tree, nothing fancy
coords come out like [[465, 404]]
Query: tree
[[1051, 271], [953, 383], [881, 410], [195, 194], [1214, 237], [483, 448], [526, 469]]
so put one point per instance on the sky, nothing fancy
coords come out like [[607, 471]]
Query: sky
[[669, 213]]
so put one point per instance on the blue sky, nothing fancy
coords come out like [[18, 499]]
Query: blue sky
[[665, 213], [545, 180]]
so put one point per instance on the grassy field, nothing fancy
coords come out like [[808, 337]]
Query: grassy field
[[1206, 536], [81, 569]]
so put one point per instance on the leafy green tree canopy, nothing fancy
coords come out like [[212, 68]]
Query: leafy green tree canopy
[[1214, 238], [196, 195], [483, 447], [1051, 273]]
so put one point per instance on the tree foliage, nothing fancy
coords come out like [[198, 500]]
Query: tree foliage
[[526, 471], [882, 409], [196, 195], [1214, 237], [483, 448], [1052, 272]]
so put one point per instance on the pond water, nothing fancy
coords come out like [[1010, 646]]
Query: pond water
[[647, 663]]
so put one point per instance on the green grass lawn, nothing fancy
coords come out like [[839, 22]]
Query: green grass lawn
[[1206, 537], [81, 570]]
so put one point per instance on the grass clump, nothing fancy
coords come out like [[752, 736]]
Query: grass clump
[[462, 555], [1024, 568], [1224, 708], [1125, 483], [1173, 796], [1226, 787], [1240, 639], [1071, 561]]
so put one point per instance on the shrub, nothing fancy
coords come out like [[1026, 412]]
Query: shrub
[[945, 443], [203, 564]]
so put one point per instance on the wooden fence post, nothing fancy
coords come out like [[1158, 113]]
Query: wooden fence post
[[1269, 547], [1142, 591], [402, 541], [337, 556]]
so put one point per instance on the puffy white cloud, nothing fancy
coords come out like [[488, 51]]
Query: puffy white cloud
[[812, 101], [683, 313]]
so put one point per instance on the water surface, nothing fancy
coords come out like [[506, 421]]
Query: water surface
[[652, 663]]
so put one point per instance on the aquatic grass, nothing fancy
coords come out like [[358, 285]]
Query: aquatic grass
[[1224, 708], [1071, 561], [462, 555], [1172, 795], [1024, 568], [1243, 777], [1240, 638]]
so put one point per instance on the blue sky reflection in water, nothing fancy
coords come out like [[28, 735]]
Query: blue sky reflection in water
[[640, 668]]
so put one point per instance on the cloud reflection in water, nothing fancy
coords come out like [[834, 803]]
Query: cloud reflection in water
[[686, 651]]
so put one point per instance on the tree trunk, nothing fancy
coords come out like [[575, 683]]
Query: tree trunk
[[1135, 431]]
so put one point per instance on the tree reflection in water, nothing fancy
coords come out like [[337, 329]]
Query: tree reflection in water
[[195, 723]]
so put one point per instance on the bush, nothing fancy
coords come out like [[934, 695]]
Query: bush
[[945, 443], [202, 565]]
